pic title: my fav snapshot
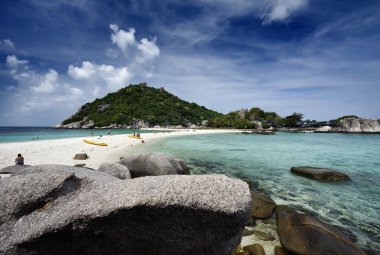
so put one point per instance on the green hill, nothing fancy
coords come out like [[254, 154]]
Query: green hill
[[154, 106]]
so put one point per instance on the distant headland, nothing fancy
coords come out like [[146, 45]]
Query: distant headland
[[142, 106]]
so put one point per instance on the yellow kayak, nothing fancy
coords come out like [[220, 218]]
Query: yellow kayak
[[135, 137], [95, 143]]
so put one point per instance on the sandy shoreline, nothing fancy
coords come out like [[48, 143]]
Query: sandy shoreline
[[62, 151]]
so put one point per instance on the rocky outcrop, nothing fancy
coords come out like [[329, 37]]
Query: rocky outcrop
[[262, 206], [354, 125], [103, 107], [117, 170], [85, 123], [242, 113], [320, 174], [301, 234], [153, 164], [58, 211]]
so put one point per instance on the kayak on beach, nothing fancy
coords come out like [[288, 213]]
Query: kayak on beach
[[94, 143], [135, 137]]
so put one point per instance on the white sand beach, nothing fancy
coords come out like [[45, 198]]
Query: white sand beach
[[62, 151]]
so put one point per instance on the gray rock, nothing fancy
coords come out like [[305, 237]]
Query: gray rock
[[103, 107], [153, 164], [320, 174], [117, 170], [262, 206], [254, 249], [81, 156], [302, 234], [79, 172], [12, 169], [354, 125], [54, 212]]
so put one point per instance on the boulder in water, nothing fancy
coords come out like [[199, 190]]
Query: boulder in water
[[301, 234], [153, 164], [320, 174]]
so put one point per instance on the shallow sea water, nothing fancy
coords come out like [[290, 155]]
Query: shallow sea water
[[352, 206]]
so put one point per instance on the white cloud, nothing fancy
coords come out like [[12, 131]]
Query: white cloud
[[148, 50], [113, 77], [13, 62], [48, 82], [7, 43], [282, 9], [84, 72], [123, 39]]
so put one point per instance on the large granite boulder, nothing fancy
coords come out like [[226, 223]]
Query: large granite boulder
[[153, 164], [301, 234], [79, 172], [319, 174], [63, 212], [12, 169], [262, 206], [117, 170]]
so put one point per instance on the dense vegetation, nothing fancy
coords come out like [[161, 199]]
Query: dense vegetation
[[155, 106], [159, 107], [245, 118]]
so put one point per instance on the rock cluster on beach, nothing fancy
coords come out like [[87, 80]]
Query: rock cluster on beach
[[353, 125], [53, 209], [290, 232]]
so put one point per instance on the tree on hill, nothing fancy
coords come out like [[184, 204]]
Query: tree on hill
[[292, 120]]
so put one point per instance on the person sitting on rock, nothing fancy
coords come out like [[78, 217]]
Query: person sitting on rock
[[19, 160]]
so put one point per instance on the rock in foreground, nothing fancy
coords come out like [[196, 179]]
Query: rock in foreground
[[301, 234], [154, 164], [61, 212], [320, 174]]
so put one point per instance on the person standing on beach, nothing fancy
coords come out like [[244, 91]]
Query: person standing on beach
[[19, 160]]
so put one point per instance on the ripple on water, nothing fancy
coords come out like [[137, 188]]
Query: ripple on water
[[352, 206]]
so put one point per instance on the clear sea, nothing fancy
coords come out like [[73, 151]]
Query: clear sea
[[24, 134], [353, 207]]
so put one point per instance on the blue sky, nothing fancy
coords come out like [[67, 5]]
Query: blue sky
[[321, 58]]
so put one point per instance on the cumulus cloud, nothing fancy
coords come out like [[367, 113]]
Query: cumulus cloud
[[143, 52], [13, 62], [48, 82], [7, 43], [79, 73], [121, 38], [113, 77], [148, 50], [38, 90]]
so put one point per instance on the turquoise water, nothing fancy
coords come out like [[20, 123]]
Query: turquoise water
[[353, 206], [24, 134]]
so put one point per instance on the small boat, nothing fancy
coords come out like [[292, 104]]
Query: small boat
[[135, 137], [95, 143]]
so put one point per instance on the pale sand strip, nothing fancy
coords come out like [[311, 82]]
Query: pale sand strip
[[62, 151]]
